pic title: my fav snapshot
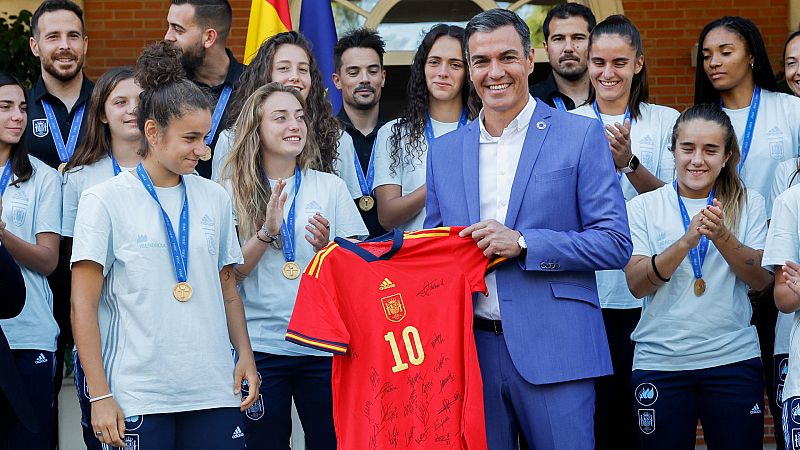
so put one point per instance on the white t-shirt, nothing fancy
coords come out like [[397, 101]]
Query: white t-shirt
[[160, 355], [409, 175], [784, 174], [783, 243], [221, 150], [76, 181], [269, 296], [651, 142], [776, 138], [30, 208], [344, 165], [677, 330]]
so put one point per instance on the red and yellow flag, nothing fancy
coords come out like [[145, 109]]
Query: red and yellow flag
[[267, 18]]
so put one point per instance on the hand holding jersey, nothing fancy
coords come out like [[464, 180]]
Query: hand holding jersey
[[494, 238]]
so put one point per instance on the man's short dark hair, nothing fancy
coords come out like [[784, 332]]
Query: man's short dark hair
[[358, 38], [51, 6], [216, 14], [565, 11], [490, 20]]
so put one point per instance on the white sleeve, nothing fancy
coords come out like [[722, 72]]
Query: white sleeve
[[756, 233], [347, 220], [783, 173], [637, 221], [221, 150], [93, 237], [344, 166], [71, 193], [782, 237], [667, 124], [229, 250], [383, 158], [47, 212]]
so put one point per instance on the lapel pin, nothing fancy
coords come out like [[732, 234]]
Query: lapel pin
[[540, 125]]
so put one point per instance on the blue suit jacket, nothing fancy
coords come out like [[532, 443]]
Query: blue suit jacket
[[567, 202]]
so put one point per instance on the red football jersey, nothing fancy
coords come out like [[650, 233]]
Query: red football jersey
[[397, 315]]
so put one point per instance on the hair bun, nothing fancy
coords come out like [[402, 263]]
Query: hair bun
[[159, 65]]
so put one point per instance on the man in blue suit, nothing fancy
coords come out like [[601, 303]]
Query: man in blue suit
[[539, 335]]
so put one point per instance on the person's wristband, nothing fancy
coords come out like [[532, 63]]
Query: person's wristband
[[102, 397], [655, 269], [268, 238]]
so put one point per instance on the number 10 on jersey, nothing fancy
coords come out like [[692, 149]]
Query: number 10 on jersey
[[413, 344]]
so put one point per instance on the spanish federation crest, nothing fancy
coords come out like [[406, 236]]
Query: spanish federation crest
[[647, 420], [393, 307], [40, 128]]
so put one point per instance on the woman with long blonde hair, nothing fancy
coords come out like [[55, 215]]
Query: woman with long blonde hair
[[697, 247], [286, 212]]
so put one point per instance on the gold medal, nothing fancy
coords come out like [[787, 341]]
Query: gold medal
[[207, 155], [61, 167], [699, 287], [182, 292], [366, 203], [291, 270]]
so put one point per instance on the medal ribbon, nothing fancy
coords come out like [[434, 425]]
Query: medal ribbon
[[114, 164], [216, 118], [65, 151], [752, 115], [287, 228], [5, 178], [559, 102], [698, 254], [366, 182], [429, 136], [179, 247]]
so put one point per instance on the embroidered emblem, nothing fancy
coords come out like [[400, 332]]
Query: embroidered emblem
[[393, 307]]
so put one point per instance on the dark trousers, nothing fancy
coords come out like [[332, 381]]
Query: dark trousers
[[765, 316], [307, 380], [780, 370], [82, 390], [728, 400], [36, 371], [216, 428], [614, 414], [60, 284]]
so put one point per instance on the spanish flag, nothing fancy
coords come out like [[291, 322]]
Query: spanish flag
[[267, 18]]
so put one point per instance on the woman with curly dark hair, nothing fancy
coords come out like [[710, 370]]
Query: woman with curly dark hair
[[285, 58], [438, 93]]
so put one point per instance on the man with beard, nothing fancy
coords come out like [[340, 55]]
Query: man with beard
[[57, 100], [359, 74], [566, 41], [200, 28], [56, 107]]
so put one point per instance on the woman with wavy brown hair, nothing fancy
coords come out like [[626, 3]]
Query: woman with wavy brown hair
[[286, 212], [438, 96], [285, 58]]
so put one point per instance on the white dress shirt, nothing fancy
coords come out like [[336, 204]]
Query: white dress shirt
[[498, 160]]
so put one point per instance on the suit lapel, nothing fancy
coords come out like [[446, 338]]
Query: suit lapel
[[470, 160], [534, 139]]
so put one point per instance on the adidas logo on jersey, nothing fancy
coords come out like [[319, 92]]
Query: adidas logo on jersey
[[386, 284], [40, 359], [237, 433], [755, 410]]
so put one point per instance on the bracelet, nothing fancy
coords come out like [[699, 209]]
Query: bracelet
[[102, 397], [655, 269], [269, 240]]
